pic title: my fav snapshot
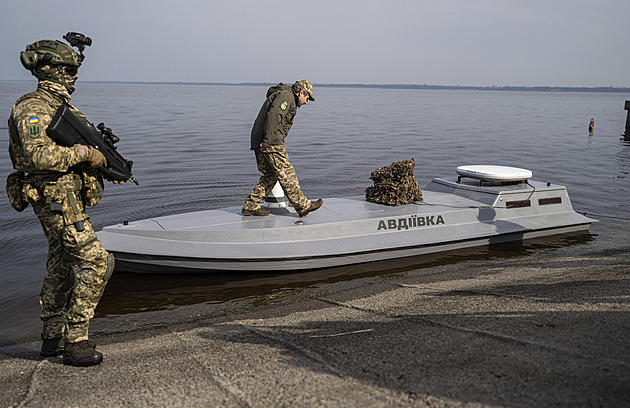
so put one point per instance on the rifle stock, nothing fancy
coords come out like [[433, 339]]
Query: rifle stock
[[67, 130]]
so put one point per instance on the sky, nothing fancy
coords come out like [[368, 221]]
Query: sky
[[574, 43]]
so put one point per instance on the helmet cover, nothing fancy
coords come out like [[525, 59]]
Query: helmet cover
[[49, 52]]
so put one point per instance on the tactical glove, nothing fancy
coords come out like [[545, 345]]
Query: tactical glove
[[96, 158], [91, 155]]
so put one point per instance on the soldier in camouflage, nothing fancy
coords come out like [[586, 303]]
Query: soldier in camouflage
[[270, 128], [56, 185]]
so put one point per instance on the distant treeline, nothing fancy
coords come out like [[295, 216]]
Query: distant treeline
[[483, 88], [446, 87], [399, 86]]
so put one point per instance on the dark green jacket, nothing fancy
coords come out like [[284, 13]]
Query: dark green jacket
[[275, 118]]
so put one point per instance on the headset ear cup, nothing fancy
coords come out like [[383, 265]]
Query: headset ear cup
[[29, 59]]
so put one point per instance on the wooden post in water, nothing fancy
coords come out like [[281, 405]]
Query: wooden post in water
[[626, 135]]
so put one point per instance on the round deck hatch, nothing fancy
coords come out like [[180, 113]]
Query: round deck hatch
[[494, 173]]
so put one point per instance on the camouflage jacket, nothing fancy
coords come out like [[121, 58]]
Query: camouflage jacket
[[275, 118], [30, 148]]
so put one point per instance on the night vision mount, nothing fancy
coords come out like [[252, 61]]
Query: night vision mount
[[79, 41]]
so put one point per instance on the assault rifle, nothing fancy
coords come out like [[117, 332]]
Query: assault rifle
[[67, 130]]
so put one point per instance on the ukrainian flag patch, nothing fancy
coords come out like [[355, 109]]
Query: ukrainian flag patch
[[284, 105], [34, 128]]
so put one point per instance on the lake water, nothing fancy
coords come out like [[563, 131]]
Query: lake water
[[190, 148]]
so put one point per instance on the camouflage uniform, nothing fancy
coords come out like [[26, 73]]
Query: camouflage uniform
[[275, 166], [78, 266], [270, 128]]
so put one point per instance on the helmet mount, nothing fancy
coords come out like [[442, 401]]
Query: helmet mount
[[79, 41]]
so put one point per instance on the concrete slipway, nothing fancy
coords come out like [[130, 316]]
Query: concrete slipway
[[550, 329]]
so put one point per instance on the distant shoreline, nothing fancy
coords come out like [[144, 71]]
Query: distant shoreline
[[605, 89]]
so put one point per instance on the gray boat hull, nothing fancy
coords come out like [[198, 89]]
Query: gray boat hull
[[453, 215]]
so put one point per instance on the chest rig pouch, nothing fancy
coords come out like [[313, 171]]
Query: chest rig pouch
[[63, 196], [93, 187]]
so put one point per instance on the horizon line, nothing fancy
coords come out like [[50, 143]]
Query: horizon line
[[609, 88]]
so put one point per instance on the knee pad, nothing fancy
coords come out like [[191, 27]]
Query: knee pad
[[111, 263]]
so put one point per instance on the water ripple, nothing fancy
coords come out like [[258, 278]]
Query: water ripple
[[190, 147]]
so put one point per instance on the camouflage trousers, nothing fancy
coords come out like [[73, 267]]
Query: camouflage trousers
[[275, 166], [76, 274]]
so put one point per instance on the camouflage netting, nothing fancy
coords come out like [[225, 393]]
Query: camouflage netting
[[394, 185]]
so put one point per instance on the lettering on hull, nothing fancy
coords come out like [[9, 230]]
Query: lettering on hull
[[414, 221]]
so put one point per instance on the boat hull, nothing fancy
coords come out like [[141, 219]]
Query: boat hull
[[345, 231]]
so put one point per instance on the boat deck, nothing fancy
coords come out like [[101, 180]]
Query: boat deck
[[347, 230]]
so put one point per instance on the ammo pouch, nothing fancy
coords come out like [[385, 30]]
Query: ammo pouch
[[93, 187], [15, 190], [63, 196]]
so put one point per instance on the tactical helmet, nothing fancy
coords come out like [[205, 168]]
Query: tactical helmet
[[49, 52]]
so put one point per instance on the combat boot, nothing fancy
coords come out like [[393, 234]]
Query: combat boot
[[81, 354], [52, 347], [314, 205], [260, 212]]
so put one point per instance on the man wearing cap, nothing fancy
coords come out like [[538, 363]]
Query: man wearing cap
[[270, 128]]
